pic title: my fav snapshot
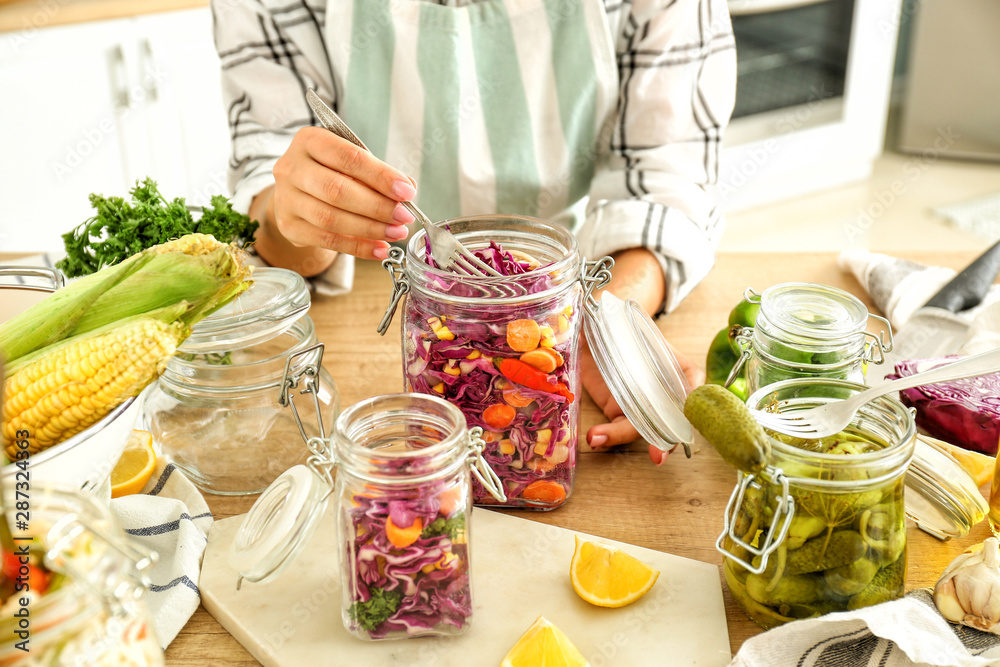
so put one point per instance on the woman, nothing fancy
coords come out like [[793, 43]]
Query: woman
[[601, 114]]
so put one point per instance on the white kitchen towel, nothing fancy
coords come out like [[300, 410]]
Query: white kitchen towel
[[905, 632], [900, 286], [170, 517]]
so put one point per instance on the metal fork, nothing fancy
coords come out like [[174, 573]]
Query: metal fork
[[831, 418], [446, 250]]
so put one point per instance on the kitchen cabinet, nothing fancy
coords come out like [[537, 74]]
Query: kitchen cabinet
[[93, 107]]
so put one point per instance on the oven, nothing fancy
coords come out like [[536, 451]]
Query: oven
[[812, 93]]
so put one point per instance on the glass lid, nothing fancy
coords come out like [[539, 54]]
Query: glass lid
[[277, 298], [941, 496], [813, 311], [279, 525], [641, 371]]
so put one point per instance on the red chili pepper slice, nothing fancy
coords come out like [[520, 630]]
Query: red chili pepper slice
[[527, 375]]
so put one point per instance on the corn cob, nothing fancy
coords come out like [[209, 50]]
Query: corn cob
[[195, 268], [77, 383]]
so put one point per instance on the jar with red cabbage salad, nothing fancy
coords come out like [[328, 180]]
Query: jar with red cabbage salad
[[404, 495], [505, 350]]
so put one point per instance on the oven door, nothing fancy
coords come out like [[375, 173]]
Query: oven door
[[813, 85]]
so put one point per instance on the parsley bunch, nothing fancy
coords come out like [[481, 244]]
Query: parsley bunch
[[120, 229], [376, 609]]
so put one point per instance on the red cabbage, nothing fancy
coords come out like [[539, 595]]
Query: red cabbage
[[460, 367], [963, 412], [430, 577]]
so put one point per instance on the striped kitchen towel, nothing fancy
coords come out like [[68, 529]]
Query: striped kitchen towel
[[909, 632], [169, 517]]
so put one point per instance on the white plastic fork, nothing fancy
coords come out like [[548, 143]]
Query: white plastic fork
[[446, 250], [831, 418]]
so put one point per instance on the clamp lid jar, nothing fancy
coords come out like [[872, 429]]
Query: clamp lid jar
[[220, 413], [403, 500]]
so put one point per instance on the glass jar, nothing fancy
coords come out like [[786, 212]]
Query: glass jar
[[505, 351], [220, 410], [403, 497], [808, 330], [92, 612], [821, 529]]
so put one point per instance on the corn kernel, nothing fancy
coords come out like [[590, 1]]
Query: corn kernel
[[430, 567], [452, 368], [548, 338], [541, 448], [475, 354], [506, 447], [439, 328], [439, 387], [544, 435], [562, 323]]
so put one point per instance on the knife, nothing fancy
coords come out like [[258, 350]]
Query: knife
[[936, 329]]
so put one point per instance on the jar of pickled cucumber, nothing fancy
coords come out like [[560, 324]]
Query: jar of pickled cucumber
[[822, 527], [808, 330]]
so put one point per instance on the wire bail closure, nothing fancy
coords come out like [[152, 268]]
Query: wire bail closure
[[481, 470], [597, 274], [784, 507], [877, 347], [287, 397], [400, 285]]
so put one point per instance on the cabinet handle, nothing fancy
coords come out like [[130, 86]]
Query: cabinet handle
[[119, 73], [150, 69]]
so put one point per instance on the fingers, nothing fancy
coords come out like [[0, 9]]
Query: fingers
[[340, 155], [619, 432], [657, 455], [307, 221]]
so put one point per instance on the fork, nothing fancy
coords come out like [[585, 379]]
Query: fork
[[831, 418], [446, 250]]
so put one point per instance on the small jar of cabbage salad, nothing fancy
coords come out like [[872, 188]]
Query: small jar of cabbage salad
[[505, 350], [808, 330], [822, 527], [72, 586], [403, 496]]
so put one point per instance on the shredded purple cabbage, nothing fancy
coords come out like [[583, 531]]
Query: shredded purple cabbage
[[963, 412], [431, 575], [459, 366]]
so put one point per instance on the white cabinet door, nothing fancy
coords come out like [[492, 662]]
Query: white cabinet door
[[187, 118], [63, 94]]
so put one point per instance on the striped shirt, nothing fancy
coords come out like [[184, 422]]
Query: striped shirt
[[656, 171]]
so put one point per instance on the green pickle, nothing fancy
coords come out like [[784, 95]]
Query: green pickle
[[845, 547]]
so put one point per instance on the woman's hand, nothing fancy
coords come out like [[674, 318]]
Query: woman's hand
[[330, 196], [636, 275]]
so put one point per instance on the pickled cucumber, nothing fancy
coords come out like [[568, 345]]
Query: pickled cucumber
[[851, 579], [826, 552], [886, 585], [789, 589], [802, 528], [729, 427]]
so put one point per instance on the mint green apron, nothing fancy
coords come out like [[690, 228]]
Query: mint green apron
[[493, 107]]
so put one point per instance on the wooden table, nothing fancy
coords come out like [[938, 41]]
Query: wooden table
[[675, 508]]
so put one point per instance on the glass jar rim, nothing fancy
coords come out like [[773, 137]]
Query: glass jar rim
[[472, 231], [376, 465], [774, 302], [889, 410]]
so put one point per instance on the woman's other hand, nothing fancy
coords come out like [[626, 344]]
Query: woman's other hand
[[329, 196]]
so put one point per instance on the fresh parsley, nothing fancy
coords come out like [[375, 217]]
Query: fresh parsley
[[379, 607], [120, 228], [441, 526]]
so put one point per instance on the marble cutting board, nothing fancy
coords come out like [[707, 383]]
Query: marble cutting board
[[520, 571]]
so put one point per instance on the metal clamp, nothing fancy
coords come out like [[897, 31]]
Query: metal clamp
[[744, 338], [750, 296], [877, 348], [400, 285], [311, 374], [597, 274], [481, 470], [784, 507]]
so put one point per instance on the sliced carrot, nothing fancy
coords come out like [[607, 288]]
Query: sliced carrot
[[545, 491], [499, 416], [515, 398], [451, 499], [403, 537], [544, 359], [523, 335]]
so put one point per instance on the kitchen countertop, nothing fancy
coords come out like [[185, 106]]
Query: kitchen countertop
[[29, 15], [676, 508]]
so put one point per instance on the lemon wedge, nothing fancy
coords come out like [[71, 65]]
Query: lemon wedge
[[135, 466], [544, 645], [609, 577]]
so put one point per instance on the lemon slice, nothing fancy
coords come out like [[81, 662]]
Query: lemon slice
[[135, 466], [979, 466], [609, 577], [544, 645]]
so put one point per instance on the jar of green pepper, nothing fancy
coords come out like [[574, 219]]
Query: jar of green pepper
[[807, 330], [822, 527]]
